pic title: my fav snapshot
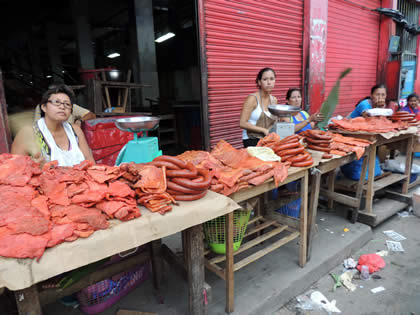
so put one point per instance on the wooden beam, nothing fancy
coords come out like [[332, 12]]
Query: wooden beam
[[195, 254], [27, 301], [303, 219], [246, 261], [229, 276], [313, 209], [341, 198]]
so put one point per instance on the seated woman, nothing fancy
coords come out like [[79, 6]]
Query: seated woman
[[256, 120], [302, 120], [377, 99], [52, 137], [412, 105]]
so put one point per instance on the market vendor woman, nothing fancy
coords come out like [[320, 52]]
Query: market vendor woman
[[377, 99], [256, 120], [302, 120], [52, 137]]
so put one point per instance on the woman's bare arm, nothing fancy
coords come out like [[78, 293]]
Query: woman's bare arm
[[83, 145]]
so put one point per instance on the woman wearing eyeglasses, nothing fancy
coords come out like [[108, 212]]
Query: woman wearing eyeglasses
[[52, 137]]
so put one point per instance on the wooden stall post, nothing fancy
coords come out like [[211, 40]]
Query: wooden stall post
[[157, 263], [371, 178], [408, 162], [195, 257], [27, 301], [313, 209], [229, 277], [303, 219]]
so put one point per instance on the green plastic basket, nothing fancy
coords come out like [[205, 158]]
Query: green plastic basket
[[214, 231]]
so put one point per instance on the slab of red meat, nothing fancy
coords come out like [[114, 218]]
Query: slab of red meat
[[17, 170], [92, 216], [41, 204], [74, 189], [153, 180], [84, 165], [59, 233], [120, 189], [22, 245], [34, 225], [58, 195], [110, 207]]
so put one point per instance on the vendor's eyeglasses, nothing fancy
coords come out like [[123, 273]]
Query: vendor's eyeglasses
[[58, 103]]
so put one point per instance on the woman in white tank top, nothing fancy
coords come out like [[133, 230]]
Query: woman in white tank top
[[256, 120], [52, 138]]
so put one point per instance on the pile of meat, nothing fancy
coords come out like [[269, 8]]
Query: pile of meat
[[289, 149], [43, 208], [410, 119], [232, 169], [369, 124], [333, 143], [319, 140]]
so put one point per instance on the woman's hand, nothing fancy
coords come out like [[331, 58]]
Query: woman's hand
[[266, 132], [317, 117], [38, 158]]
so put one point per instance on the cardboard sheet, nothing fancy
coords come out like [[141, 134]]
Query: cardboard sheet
[[386, 135], [17, 274]]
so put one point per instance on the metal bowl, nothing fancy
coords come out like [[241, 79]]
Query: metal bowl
[[281, 110], [136, 124]]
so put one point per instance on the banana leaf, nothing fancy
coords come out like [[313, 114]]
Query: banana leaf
[[328, 107]]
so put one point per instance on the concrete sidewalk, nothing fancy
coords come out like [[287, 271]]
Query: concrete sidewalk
[[261, 287], [400, 277]]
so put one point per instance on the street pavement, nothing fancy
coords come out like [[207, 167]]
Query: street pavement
[[400, 277]]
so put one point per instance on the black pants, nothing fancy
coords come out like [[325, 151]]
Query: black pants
[[250, 142]]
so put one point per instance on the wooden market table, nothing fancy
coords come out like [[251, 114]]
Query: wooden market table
[[371, 214], [260, 231], [328, 166], [22, 275]]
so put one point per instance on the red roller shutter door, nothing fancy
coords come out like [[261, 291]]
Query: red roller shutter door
[[352, 41], [241, 37]]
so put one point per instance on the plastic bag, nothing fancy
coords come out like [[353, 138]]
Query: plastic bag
[[353, 169], [399, 167], [373, 261]]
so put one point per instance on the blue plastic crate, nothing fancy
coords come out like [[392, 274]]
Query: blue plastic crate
[[292, 209]]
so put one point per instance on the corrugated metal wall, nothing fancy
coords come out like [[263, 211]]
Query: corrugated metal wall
[[241, 37], [352, 41]]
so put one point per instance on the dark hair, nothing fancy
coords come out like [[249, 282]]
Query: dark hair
[[260, 74], [291, 90], [411, 96], [372, 90], [377, 86], [55, 89]]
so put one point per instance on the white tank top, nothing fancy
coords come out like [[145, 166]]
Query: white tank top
[[70, 157], [256, 114]]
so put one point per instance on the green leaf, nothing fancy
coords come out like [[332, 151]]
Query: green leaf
[[329, 105]]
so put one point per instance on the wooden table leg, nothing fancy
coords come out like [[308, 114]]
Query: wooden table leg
[[229, 276], [157, 263], [331, 186], [408, 164], [312, 211], [195, 257], [359, 189], [371, 178], [303, 219], [27, 301]]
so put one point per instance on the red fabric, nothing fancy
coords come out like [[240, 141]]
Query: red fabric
[[373, 261]]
